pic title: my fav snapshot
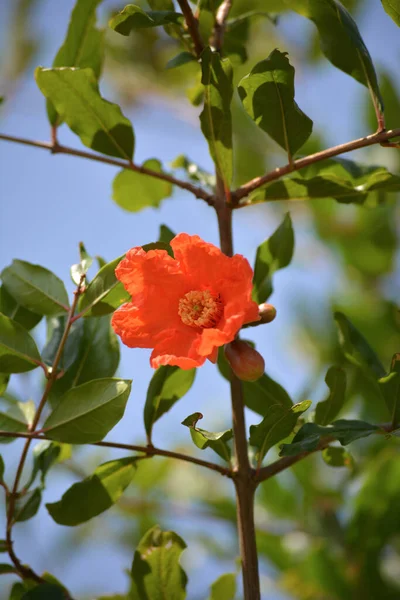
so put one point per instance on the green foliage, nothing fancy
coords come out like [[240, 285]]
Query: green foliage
[[392, 8], [134, 191], [390, 389], [86, 413], [15, 419], [45, 591], [267, 94], [104, 293], [76, 97], [216, 119], [10, 307], [337, 457], [133, 17], [328, 410], [35, 288], [27, 506], [95, 494], [273, 254], [205, 439], [167, 386], [276, 426], [83, 45], [156, 571], [18, 351], [224, 588]]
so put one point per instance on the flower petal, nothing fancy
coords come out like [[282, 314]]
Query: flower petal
[[178, 349]]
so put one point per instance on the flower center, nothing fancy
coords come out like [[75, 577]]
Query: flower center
[[200, 309]]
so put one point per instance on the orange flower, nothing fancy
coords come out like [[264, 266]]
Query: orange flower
[[183, 307]]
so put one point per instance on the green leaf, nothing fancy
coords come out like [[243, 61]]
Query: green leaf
[[45, 455], [18, 351], [166, 234], [83, 45], [392, 8], [27, 506], [76, 97], [2, 469], [340, 179], [216, 119], [276, 426], [390, 389], [224, 588], [35, 288], [133, 17], [104, 293], [3, 545], [79, 270], [273, 254], [4, 379], [183, 58], [86, 413], [95, 494], [205, 439], [267, 94], [356, 348], [193, 171], [156, 572], [134, 191], [327, 410], [10, 307], [45, 591], [258, 395], [7, 569], [337, 457], [310, 435], [14, 420], [55, 331], [167, 386], [341, 41]]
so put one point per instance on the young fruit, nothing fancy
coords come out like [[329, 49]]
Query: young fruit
[[245, 361]]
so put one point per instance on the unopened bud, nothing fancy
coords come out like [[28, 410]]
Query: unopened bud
[[245, 361], [267, 312]]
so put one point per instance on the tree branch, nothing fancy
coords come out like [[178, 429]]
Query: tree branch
[[375, 138], [148, 450], [219, 25], [60, 149], [192, 26]]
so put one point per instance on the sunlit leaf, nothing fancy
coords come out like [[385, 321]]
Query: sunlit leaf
[[392, 8], [327, 411], [134, 191], [18, 351], [104, 293], [203, 439], [337, 457], [224, 588], [133, 17]]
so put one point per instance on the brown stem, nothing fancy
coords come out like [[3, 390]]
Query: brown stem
[[26, 571], [300, 163], [245, 484], [217, 38], [148, 450], [60, 149], [192, 25]]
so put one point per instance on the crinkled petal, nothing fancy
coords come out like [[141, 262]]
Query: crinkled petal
[[179, 349], [137, 328]]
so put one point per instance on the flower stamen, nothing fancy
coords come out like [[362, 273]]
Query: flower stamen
[[201, 309]]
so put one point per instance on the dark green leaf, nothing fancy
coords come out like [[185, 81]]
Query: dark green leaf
[[205, 439], [95, 494], [83, 45], [356, 348], [267, 94], [273, 254], [392, 8], [183, 58], [156, 572], [2, 469], [14, 420], [133, 17], [166, 234], [258, 395], [104, 293], [276, 426], [35, 288], [76, 97], [4, 379], [134, 191], [337, 457], [18, 351], [17, 591], [158, 246], [309, 436], [45, 591], [3, 545], [27, 506], [55, 330], [390, 389], [16, 312], [86, 413], [224, 588], [342, 180], [215, 119], [328, 410], [341, 41], [45, 455], [167, 386], [7, 569]]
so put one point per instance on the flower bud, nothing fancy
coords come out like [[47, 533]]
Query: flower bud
[[245, 361], [267, 312]]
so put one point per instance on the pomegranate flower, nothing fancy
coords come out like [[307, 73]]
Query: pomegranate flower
[[184, 307]]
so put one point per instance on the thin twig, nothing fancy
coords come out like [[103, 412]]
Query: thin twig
[[217, 38], [300, 163], [148, 450], [192, 26], [60, 149]]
